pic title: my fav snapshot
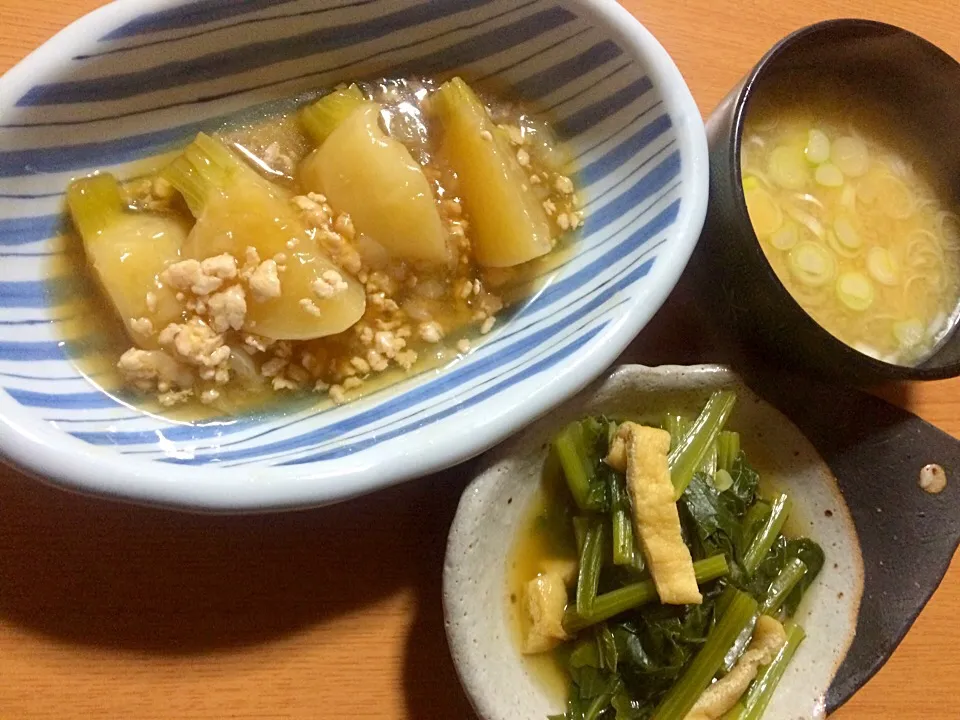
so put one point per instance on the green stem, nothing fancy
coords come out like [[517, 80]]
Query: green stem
[[728, 450], [753, 522], [621, 523], [689, 453], [580, 525], [734, 712], [591, 562], [779, 510], [726, 597], [324, 116], [677, 426], [632, 596], [95, 203], [575, 460], [761, 691], [205, 166], [783, 585], [709, 464], [701, 671]]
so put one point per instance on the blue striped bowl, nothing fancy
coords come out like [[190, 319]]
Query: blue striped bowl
[[131, 82]]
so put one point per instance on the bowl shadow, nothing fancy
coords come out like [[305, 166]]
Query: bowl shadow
[[431, 685], [98, 573]]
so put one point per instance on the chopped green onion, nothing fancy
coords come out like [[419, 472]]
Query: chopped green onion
[[855, 291], [818, 147], [95, 203], [779, 510], [811, 264], [883, 266], [788, 167], [324, 116], [628, 597], [786, 237], [722, 480], [846, 233], [839, 248], [700, 672], [829, 175], [687, 456], [850, 155]]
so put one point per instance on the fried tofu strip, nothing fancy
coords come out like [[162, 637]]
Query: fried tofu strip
[[642, 452], [768, 637]]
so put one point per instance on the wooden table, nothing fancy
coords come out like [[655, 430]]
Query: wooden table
[[111, 611]]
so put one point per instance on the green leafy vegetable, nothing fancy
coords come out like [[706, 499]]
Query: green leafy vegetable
[[779, 510], [684, 694], [591, 561], [693, 446], [628, 597], [632, 658], [761, 690]]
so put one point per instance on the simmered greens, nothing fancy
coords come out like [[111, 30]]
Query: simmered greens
[[630, 656]]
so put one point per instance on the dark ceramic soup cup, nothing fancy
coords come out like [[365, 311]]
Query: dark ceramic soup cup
[[914, 82]]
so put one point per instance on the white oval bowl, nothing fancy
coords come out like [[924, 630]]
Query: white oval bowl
[[501, 683], [105, 93]]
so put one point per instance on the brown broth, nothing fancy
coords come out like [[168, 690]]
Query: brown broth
[[274, 144]]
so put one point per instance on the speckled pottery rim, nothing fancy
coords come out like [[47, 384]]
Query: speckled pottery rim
[[498, 680]]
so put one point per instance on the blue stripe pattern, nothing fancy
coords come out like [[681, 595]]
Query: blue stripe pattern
[[111, 106], [23, 230], [25, 294], [190, 15], [250, 56], [33, 351], [64, 401], [528, 372]]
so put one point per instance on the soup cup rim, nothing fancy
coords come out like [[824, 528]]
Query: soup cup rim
[[741, 102]]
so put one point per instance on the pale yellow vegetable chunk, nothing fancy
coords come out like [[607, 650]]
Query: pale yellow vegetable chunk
[[128, 252], [254, 215], [510, 226], [655, 515], [128, 259], [718, 699], [295, 290], [545, 598], [371, 176]]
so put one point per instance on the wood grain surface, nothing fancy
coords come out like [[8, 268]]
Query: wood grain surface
[[112, 611]]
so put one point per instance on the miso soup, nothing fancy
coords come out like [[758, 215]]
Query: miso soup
[[852, 225]]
